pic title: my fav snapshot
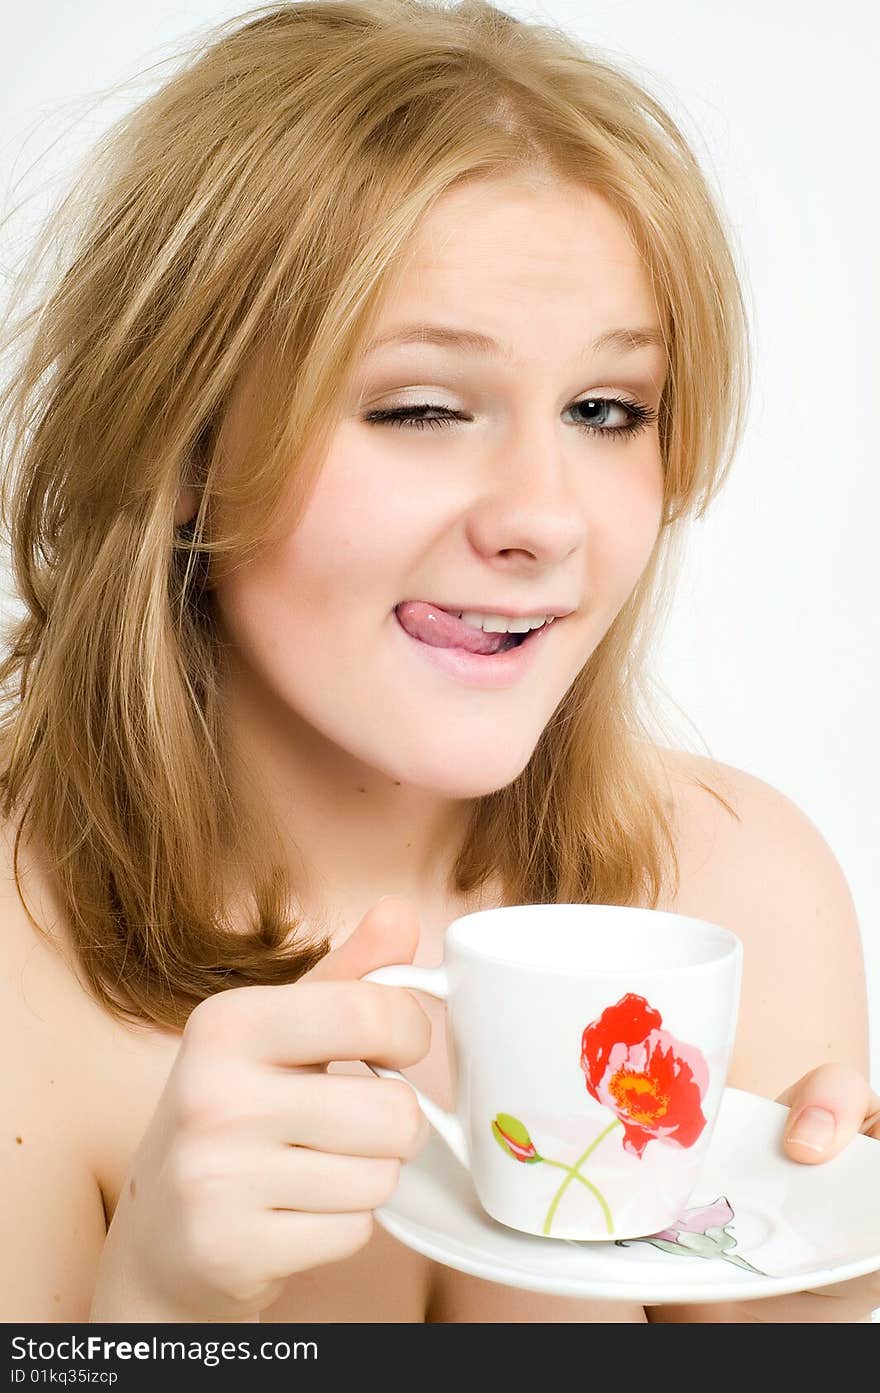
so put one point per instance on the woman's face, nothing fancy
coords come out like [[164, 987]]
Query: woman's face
[[515, 506]]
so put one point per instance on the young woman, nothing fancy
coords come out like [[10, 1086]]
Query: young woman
[[388, 327]]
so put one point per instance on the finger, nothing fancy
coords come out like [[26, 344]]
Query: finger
[[387, 934], [871, 1125], [320, 1182], [827, 1108], [326, 1021], [342, 1113], [290, 1241]]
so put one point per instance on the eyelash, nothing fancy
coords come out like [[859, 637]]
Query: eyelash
[[641, 416]]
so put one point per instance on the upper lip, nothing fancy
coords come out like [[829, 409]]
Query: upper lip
[[559, 611]]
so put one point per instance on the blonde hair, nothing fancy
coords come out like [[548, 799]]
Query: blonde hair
[[255, 209]]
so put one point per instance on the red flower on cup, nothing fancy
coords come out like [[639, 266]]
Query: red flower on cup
[[653, 1082]]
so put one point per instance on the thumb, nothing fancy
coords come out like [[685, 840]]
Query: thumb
[[388, 933]]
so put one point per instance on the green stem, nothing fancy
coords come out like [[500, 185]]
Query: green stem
[[569, 1170], [741, 1262], [574, 1175], [573, 1172]]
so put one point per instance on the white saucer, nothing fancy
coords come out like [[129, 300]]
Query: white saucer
[[800, 1226]]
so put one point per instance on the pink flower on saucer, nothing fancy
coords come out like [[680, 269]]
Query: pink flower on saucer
[[699, 1220]]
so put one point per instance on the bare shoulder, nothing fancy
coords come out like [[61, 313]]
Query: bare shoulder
[[42, 980], [54, 1223], [39, 974], [60, 1033], [80, 1064], [751, 859]]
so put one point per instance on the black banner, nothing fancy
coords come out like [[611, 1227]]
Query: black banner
[[130, 1358]]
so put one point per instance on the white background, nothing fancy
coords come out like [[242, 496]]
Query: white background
[[770, 656]]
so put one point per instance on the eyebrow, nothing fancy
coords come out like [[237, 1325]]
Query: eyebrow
[[470, 341]]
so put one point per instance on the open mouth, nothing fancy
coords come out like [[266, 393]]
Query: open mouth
[[514, 640], [441, 628], [472, 656]]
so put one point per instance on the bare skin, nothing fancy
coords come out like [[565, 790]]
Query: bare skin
[[513, 506], [519, 506], [107, 1107], [368, 756], [765, 873]]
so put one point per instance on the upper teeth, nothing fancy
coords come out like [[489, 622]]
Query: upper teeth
[[502, 623]]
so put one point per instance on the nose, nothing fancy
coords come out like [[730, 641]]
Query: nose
[[530, 505]]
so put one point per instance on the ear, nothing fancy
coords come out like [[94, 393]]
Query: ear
[[187, 506]]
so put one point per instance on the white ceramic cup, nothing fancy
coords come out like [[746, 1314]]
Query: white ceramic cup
[[590, 1046]]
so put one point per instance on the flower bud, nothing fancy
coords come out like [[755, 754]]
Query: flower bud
[[513, 1138]]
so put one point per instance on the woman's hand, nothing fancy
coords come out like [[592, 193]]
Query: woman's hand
[[829, 1105], [257, 1163]]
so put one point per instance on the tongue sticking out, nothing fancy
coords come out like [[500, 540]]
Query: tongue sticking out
[[443, 630]]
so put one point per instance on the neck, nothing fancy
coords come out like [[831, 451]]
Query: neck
[[350, 833]]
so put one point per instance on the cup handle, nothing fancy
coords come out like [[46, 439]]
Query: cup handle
[[434, 981]]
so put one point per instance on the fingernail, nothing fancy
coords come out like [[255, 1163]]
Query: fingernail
[[813, 1128]]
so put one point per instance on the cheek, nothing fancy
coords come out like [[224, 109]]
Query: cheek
[[337, 550], [624, 518]]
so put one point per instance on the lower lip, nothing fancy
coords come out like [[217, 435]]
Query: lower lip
[[482, 669]]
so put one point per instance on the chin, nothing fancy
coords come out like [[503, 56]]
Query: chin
[[462, 777]]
